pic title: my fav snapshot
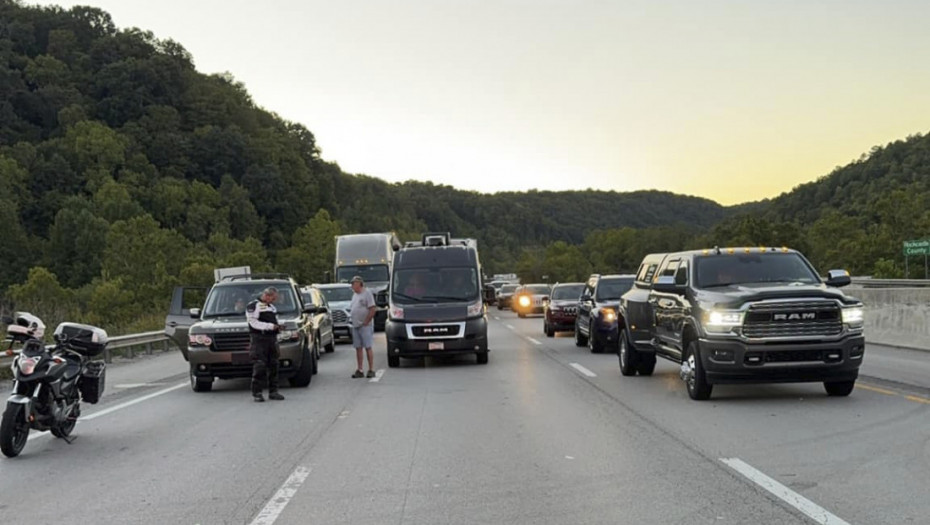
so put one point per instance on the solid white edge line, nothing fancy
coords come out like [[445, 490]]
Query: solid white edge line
[[583, 370], [806, 506], [112, 409], [535, 342], [121, 406], [379, 373], [279, 501]]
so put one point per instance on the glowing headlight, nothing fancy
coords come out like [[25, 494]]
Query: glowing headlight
[[475, 309], [854, 316], [722, 320], [288, 335], [524, 300], [609, 315], [199, 340]]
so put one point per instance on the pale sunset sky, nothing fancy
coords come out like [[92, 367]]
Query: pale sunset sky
[[732, 100]]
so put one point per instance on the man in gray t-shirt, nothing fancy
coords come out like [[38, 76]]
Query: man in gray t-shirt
[[361, 314]]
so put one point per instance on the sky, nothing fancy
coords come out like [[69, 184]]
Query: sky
[[731, 100]]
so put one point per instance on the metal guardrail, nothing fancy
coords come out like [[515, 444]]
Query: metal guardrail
[[130, 344], [890, 283]]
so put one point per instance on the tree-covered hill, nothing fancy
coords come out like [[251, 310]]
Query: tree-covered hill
[[124, 171]]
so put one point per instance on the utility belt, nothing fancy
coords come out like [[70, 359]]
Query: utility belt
[[262, 333]]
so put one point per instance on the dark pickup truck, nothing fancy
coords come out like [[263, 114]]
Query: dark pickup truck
[[741, 315]]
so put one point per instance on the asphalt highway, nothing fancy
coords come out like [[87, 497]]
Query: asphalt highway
[[545, 433]]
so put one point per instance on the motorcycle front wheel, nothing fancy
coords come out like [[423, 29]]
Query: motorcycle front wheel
[[14, 430]]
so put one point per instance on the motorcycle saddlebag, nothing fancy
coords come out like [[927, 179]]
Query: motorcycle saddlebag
[[82, 338], [92, 381]]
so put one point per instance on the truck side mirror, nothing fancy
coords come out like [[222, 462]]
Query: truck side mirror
[[489, 293], [666, 284], [381, 299], [838, 278], [195, 313]]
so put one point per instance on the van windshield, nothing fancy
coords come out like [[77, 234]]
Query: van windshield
[[435, 285]]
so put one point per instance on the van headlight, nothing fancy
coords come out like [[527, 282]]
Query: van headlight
[[854, 316], [475, 309], [524, 301], [396, 312], [722, 321]]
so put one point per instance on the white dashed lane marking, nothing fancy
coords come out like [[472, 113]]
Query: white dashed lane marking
[[808, 507], [583, 370], [279, 501]]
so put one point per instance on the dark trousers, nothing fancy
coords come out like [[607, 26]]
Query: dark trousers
[[264, 354]]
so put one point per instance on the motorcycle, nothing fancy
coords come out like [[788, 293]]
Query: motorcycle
[[50, 383]]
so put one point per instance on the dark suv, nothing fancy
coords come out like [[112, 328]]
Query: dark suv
[[215, 339], [596, 323], [561, 308], [742, 315]]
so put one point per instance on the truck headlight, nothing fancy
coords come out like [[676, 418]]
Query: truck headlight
[[475, 309], [609, 315], [854, 316], [288, 335], [524, 301], [722, 321]]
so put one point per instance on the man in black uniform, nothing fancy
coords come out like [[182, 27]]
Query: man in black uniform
[[263, 329]]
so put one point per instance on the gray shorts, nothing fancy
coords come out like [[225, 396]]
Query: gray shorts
[[363, 336]]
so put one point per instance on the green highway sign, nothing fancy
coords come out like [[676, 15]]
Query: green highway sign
[[918, 247]]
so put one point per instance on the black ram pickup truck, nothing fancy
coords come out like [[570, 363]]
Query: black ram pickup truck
[[741, 315]]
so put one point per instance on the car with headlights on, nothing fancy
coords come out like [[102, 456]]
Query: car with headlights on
[[742, 315], [561, 309], [596, 322], [530, 299]]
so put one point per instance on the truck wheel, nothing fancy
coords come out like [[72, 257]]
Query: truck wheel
[[483, 357], [393, 361], [548, 331], [698, 387], [594, 344], [629, 360], [646, 364], [580, 340], [305, 373], [331, 347], [199, 384], [839, 388]]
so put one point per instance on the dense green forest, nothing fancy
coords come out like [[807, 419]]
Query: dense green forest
[[124, 172]]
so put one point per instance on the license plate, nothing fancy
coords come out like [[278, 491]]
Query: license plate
[[436, 346]]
